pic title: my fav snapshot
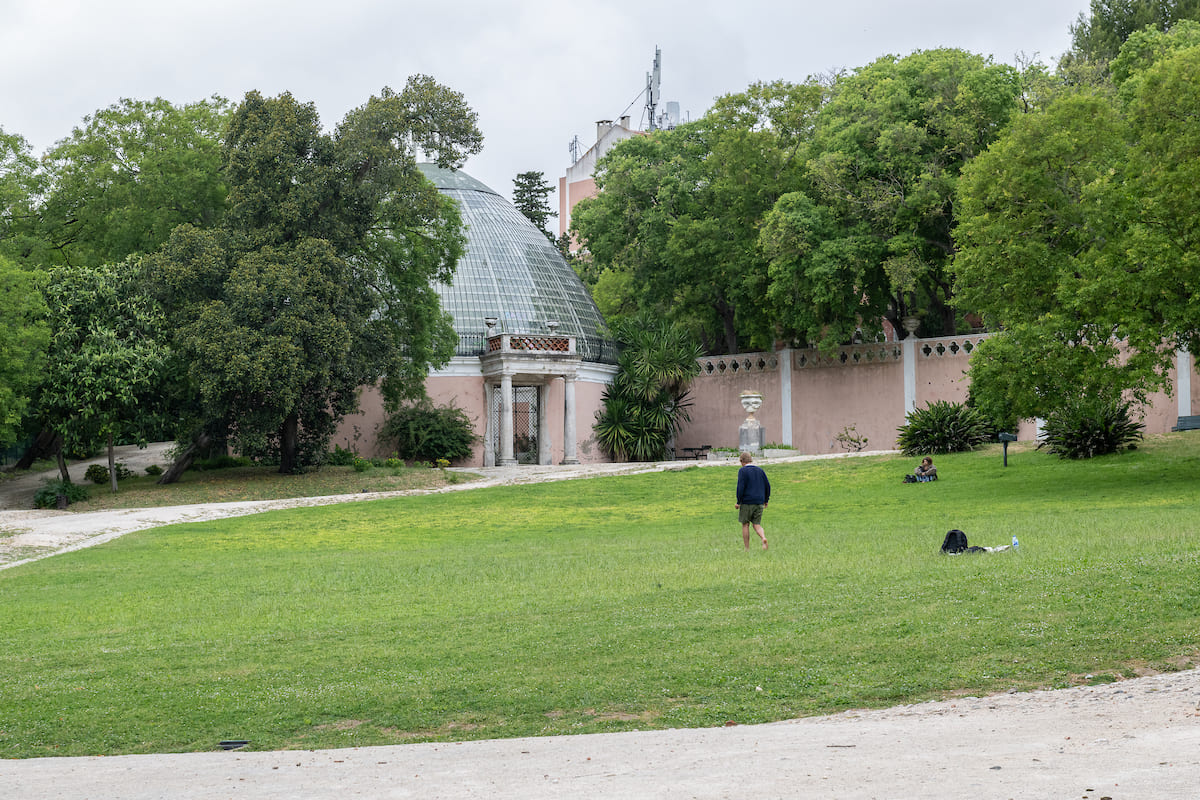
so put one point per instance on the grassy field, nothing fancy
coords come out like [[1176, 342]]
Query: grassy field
[[260, 483], [606, 604]]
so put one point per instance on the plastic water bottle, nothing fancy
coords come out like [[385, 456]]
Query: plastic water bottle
[[1016, 544]]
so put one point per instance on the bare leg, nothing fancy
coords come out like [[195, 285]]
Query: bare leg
[[761, 534], [746, 534]]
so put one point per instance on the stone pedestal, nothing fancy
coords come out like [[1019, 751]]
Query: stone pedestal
[[752, 437]]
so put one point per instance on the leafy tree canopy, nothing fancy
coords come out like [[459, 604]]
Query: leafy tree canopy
[[871, 235], [320, 277], [23, 338], [1098, 34], [127, 176], [21, 184], [678, 212], [1080, 232], [105, 361], [530, 191]]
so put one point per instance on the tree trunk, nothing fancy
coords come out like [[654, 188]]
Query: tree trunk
[[289, 442], [62, 464], [112, 465], [46, 444], [185, 459]]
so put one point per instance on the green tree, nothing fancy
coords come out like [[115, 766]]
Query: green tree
[[21, 184], [124, 179], [1098, 34], [23, 338], [1080, 236], [872, 238], [104, 360], [320, 278], [646, 404], [678, 212], [530, 190]]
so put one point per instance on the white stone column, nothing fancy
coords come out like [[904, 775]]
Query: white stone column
[[507, 459], [569, 455], [489, 436], [908, 349], [1183, 382], [785, 396], [543, 428]]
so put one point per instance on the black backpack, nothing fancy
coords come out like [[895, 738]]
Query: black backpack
[[955, 542]]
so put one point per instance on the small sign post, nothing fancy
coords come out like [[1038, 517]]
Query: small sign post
[[1005, 438]]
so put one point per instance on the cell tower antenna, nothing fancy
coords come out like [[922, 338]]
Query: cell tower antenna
[[576, 149], [653, 79]]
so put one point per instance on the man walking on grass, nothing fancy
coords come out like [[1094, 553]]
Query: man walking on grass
[[753, 494]]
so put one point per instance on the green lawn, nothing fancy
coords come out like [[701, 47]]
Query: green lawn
[[606, 604]]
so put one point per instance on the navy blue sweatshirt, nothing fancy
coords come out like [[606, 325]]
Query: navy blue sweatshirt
[[753, 488]]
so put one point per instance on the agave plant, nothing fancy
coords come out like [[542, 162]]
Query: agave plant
[[1089, 426], [943, 427]]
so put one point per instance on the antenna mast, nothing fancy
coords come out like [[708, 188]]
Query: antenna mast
[[653, 79]]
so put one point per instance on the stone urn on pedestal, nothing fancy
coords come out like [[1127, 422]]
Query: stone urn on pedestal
[[752, 437]]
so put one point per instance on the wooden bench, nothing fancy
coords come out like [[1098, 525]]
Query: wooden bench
[[1187, 424], [694, 452]]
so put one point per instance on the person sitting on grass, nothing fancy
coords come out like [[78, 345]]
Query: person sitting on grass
[[924, 473]]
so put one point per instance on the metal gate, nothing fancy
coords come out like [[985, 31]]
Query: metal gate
[[525, 430]]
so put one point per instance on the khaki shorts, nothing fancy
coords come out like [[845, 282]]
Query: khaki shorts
[[749, 513]]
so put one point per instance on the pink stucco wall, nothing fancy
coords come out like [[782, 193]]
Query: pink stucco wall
[[860, 386], [716, 406]]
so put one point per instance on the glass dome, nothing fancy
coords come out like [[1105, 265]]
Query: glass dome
[[512, 272]]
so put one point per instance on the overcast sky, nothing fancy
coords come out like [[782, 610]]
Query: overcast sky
[[538, 72]]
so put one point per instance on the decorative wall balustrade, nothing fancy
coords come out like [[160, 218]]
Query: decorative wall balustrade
[[742, 363], [849, 355], [949, 346]]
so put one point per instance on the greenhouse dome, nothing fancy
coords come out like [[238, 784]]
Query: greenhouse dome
[[513, 274]]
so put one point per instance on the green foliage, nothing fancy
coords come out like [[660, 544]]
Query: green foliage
[[22, 184], [47, 495], [874, 237], [1099, 36], [23, 338], [1090, 426], [132, 172], [425, 432], [361, 464], [942, 427], [223, 461], [105, 360], [340, 457], [154, 470], [98, 473], [646, 404], [320, 279], [674, 228], [1076, 235], [530, 190]]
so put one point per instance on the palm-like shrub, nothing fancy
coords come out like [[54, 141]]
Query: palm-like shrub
[[1090, 426], [646, 404], [943, 427]]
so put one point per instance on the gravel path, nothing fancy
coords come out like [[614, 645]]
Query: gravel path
[[1131, 740]]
